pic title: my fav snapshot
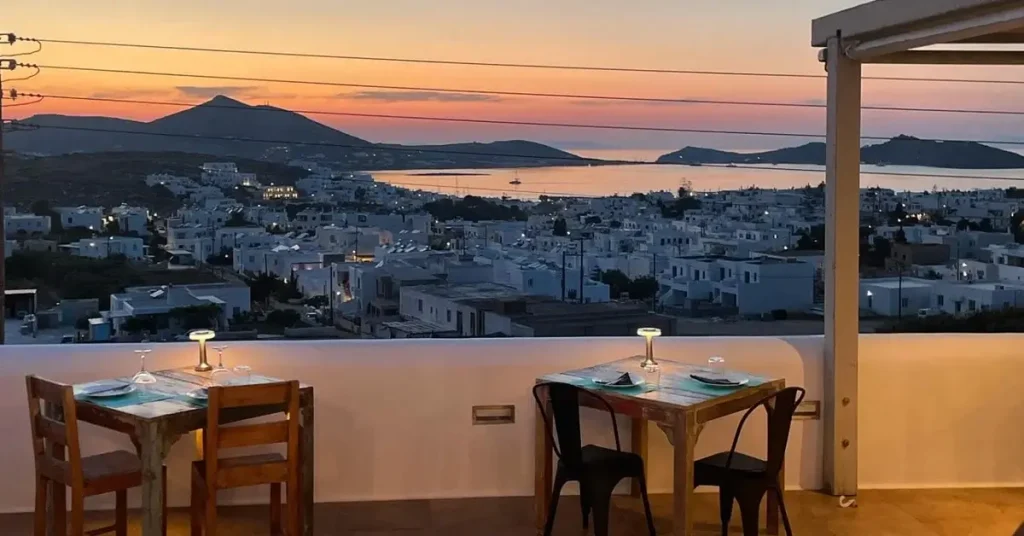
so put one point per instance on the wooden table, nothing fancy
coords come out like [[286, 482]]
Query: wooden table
[[679, 404], [155, 425]]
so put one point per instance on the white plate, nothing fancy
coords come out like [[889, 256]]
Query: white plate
[[108, 390], [198, 394], [604, 383], [737, 383]]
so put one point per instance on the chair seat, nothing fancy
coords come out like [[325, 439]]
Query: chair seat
[[741, 464], [240, 461], [111, 471], [604, 460]]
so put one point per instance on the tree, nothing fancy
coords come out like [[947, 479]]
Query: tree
[[560, 228], [617, 282], [615, 224], [643, 288], [137, 324], [112, 228], [813, 239], [284, 318], [899, 236], [1017, 226], [985, 225], [42, 207], [196, 316], [237, 219], [316, 301], [226, 257], [593, 220], [473, 208], [263, 286]]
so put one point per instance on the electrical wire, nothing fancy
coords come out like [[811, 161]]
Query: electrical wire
[[498, 121], [37, 101], [471, 153], [24, 78], [687, 101], [562, 67], [39, 47], [503, 93]]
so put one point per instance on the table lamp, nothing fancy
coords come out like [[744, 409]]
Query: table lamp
[[202, 335], [649, 334]]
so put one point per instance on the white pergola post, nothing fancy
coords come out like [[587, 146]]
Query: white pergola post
[[842, 277]]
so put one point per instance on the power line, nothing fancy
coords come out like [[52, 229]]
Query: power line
[[681, 101], [504, 93], [471, 153], [497, 121], [562, 67]]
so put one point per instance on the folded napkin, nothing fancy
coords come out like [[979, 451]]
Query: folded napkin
[[714, 379], [625, 379]]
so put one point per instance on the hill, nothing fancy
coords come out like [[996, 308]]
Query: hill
[[109, 179], [902, 151], [220, 126]]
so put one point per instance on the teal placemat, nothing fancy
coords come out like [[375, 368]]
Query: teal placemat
[[683, 382], [139, 396]]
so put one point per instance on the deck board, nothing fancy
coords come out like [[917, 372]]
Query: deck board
[[975, 512]]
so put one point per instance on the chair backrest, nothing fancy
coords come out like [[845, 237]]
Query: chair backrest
[[565, 409], [780, 407], [54, 431], [223, 400]]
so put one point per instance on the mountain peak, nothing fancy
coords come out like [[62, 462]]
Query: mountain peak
[[224, 100]]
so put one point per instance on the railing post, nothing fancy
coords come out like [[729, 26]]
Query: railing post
[[842, 223]]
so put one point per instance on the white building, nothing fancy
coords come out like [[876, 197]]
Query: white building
[[156, 303], [88, 217], [890, 295], [131, 219], [26, 225], [103, 247], [749, 286]]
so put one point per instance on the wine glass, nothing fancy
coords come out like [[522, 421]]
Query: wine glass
[[245, 372], [143, 378], [220, 374], [716, 365]]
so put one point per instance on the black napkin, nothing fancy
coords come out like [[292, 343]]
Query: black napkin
[[625, 379], [715, 380]]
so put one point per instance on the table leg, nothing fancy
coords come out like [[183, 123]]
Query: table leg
[[542, 457], [154, 449], [772, 504], [307, 478], [682, 499], [638, 444]]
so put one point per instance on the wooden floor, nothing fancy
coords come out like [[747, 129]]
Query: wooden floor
[[996, 512]]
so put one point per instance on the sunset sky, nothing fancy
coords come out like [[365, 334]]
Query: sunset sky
[[741, 35]]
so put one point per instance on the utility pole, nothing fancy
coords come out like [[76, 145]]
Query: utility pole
[[581, 270], [563, 274], [4, 65]]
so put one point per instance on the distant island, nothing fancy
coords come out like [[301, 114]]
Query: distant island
[[227, 128], [899, 151]]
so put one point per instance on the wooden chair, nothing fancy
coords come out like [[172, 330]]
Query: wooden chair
[[86, 476], [215, 472]]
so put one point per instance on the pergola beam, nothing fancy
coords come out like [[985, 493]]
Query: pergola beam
[[928, 33], [952, 57], [842, 273]]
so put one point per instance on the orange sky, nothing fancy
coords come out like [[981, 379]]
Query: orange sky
[[725, 35]]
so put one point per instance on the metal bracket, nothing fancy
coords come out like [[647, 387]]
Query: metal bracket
[[7, 64], [8, 38]]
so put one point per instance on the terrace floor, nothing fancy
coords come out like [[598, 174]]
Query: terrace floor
[[891, 512]]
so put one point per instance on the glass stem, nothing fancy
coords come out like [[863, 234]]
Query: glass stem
[[143, 362]]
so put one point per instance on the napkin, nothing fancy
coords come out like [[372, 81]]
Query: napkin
[[625, 379], [713, 379]]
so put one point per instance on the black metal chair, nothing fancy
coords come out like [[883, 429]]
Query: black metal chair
[[745, 478], [597, 469]]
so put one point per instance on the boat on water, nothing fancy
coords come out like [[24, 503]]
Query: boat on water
[[695, 164], [730, 165], [515, 180]]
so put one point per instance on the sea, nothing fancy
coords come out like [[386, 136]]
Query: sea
[[644, 176]]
